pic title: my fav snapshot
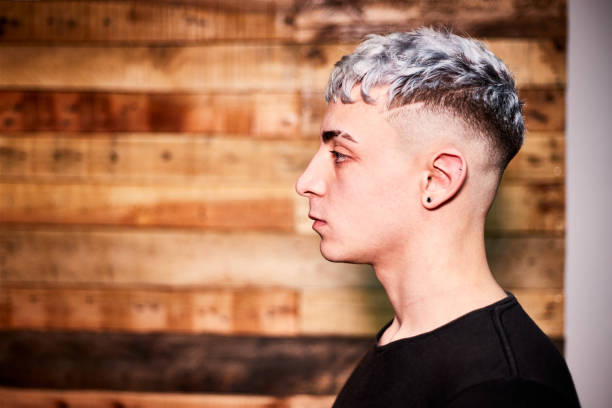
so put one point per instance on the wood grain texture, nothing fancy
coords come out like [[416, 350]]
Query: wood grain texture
[[99, 258], [350, 311], [298, 21], [544, 109], [172, 258], [527, 208], [152, 205], [221, 68], [269, 311], [541, 159], [129, 22], [153, 158], [200, 159], [32, 398], [260, 115], [519, 207], [350, 21]]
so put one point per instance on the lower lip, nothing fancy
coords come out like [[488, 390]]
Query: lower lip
[[318, 224]]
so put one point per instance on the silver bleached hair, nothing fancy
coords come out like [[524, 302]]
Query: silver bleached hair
[[442, 70]]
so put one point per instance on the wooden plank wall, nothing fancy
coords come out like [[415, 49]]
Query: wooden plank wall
[[151, 242]]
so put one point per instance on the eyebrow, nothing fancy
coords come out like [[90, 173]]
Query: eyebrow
[[330, 134]]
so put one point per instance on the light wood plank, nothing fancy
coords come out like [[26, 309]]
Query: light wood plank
[[529, 262], [222, 68], [272, 311], [544, 109], [363, 312], [541, 159], [30, 398], [247, 207], [183, 258], [150, 158], [337, 311], [143, 158], [527, 208]]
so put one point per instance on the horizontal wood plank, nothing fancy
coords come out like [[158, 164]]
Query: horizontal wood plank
[[363, 312], [129, 22], [260, 115], [30, 398], [172, 258], [162, 22], [541, 159], [164, 362], [221, 68], [148, 158], [334, 311], [527, 208], [149, 205], [544, 109], [182, 258], [519, 207], [270, 311], [180, 159], [320, 22]]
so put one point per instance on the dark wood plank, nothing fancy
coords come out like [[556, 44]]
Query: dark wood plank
[[258, 115], [350, 21], [178, 363], [160, 22]]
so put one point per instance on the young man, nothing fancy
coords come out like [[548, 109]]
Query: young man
[[418, 131]]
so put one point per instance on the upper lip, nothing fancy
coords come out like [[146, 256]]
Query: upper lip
[[314, 217]]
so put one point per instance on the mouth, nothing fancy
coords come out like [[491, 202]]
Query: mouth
[[318, 222]]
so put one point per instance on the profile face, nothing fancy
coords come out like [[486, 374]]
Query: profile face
[[359, 184]]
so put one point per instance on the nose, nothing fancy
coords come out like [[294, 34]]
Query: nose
[[312, 181]]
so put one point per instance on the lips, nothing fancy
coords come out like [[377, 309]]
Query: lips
[[318, 222], [315, 218]]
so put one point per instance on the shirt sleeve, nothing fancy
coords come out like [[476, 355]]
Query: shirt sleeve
[[510, 393]]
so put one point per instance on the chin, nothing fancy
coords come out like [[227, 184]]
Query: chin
[[339, 253]]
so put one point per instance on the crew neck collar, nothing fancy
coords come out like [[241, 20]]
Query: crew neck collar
[[505, 302]]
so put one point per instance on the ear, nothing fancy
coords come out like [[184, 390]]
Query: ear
[[444, 178]]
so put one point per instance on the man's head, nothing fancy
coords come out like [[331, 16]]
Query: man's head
[[418, 130]]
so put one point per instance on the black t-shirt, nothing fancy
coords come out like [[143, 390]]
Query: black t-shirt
[[494, 356]]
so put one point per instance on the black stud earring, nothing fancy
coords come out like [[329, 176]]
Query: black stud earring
[[429, 199]]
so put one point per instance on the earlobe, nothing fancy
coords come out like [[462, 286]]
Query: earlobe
[[445, 177]]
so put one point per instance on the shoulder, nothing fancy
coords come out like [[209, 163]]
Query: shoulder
[[511, 393]]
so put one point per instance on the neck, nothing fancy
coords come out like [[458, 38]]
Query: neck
[[435, 282]]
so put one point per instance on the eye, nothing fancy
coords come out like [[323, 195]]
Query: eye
[[338, 157]]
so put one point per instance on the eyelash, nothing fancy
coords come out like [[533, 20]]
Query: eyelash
[[338, 157]]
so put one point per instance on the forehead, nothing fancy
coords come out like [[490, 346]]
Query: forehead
[[359, 119]]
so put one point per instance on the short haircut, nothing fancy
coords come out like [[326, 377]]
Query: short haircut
[[443, 71]]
